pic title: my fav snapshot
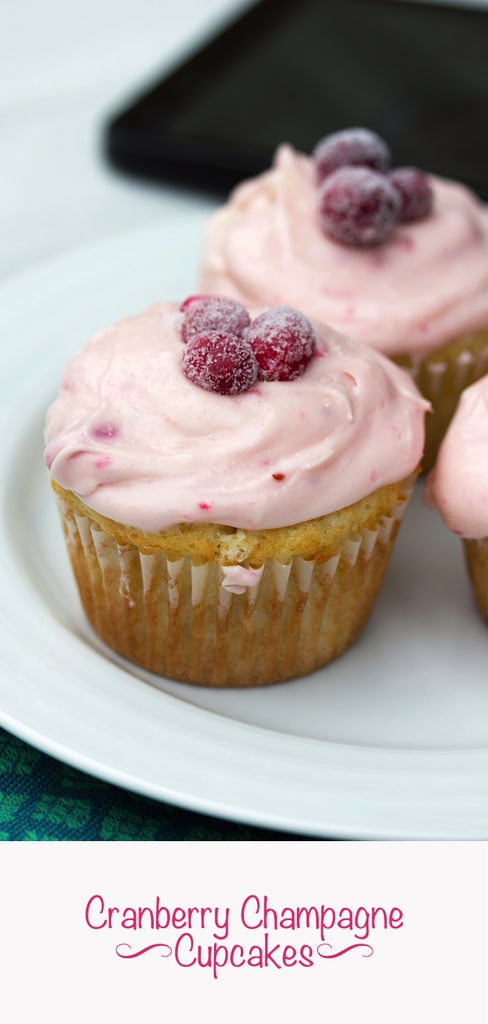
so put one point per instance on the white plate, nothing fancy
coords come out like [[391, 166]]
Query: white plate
[[390, 741]]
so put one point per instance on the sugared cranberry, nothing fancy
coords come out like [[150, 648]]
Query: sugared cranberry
[[212, 313], [220, 361], [415, 192], [354, 147], [358, 207], [283, 341]]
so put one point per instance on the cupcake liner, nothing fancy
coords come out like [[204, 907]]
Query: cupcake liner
[[441, 377], [476, 557], [228, 625]]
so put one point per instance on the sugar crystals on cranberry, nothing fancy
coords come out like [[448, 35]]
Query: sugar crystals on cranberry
[[358, 206], [351, 147], [225, 352], [360, 201], [415, 192], [283, 341], [213, 313], [220, 361]]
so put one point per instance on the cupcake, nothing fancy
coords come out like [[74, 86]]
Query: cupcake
[[457, 487], [230, 486], [395, 259]]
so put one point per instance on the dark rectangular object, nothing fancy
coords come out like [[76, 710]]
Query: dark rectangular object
[[294, 70]]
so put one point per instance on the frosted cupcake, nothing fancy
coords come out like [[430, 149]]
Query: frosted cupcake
[[458, 485], [395, 259], [230, 487]]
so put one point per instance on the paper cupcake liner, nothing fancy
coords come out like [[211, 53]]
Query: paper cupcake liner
[[220, 625], [441, 377], [476, 556]]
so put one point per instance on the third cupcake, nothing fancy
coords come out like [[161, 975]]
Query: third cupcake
[[457, 487]]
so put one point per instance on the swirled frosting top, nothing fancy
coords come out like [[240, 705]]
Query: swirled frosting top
[[140, 443], [428, 284], [458, 485]]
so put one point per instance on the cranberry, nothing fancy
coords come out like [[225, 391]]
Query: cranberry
[[104, 430], [352, 147], [220, 361], [415, 192], [194, 298], [212, 313], [283, 341], [358, 207]]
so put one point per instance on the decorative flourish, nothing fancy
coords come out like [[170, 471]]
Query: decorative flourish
[[347, 949], [155, 945]]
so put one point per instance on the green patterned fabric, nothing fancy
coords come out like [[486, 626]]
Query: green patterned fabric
[[42, 799]]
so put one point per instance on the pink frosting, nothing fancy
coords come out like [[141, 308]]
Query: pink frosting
[[236, 579], [141, 444], [458, 485], [427, 285]]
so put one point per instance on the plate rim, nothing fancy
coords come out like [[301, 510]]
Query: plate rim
[[148, 239]]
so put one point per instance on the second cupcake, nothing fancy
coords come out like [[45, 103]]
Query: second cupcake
[[392, 257]]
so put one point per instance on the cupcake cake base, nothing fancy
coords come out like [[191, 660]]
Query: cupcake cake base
[[441, 377]]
